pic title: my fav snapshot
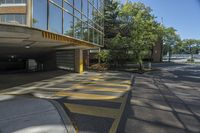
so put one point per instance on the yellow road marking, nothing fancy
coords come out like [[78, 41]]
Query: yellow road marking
[[96, 88], [115, 124], [93, 111], [105, 84], [77, 95], [116, 114]]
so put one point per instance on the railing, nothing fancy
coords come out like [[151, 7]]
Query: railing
[[179, 56]]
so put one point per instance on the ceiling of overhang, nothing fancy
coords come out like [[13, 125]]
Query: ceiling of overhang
[[14, 41], [22, 36]]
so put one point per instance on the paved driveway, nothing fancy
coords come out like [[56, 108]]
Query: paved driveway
[[94, 101], [166, 101]]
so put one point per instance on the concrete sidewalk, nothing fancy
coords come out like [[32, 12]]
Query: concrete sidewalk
[[30, 115]]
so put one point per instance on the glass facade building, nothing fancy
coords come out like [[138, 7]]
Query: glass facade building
[[80, 19]]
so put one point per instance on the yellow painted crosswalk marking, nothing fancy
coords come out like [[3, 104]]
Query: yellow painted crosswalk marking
[[84, 96], [93, 110], [115, 114], [96, 88], [115, 124], [105, 84]]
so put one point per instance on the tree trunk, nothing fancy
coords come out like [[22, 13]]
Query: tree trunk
[[192, 56], [140, 65], [169, 58]]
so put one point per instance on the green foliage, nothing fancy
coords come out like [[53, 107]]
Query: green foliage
[[118, 50], [103, 56], [111, 22], [171, 42], [143, 30], [192, 45], [35, 21]]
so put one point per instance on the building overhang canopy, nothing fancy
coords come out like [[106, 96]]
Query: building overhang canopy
[[22, 36]]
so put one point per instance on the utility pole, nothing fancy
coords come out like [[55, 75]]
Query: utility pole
[[162, 47]]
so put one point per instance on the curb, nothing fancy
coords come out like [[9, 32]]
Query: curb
[[124, 114], [65, 118]]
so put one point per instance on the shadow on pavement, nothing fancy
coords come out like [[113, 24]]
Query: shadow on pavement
[[12, 80], [152, 107]]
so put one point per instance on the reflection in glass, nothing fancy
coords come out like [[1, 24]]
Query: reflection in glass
[[85, 7], [91, 34], [82, 19], [85, 31], [68, 24], [68, 7], [77, 4], [13, 19], [58, 2], [55, 21], [40, 14], [77, 28]]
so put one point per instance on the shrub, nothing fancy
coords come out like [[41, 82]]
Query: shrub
[[99, 67]]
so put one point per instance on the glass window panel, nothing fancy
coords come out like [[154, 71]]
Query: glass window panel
[[59, 2], [2, 18], [91, 34], [84, 19], [55, 21], [91, 1], [77, 4], [68, 24], [85, 7], [95, 16], [20, 19], [77, 28], [9, 18], [77, 14], [71, 2], [95, 37], [99, 4], [96, 3], [8, 1], [40, 14], [20, 1], [13, 18], [90, 11], [2, 1], [68, 7], [85, 31]]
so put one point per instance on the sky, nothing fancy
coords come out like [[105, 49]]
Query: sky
[[183, 15]]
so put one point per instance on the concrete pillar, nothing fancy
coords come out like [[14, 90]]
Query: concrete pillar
[[86, 61], [29, 13], [78, 60]]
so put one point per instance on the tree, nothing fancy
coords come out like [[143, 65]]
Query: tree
[[143, 31], [103, 56], [118, 50], [170, 40], [111, 22], [192, 45]]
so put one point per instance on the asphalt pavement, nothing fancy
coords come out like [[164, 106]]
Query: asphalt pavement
[[94, 101], [20, 114], [165, 101]]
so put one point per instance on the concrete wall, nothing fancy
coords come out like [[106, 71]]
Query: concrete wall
[[47, 61], [12, 65]]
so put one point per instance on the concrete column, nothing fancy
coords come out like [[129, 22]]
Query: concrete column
[[29, 13], [78, 60], [86, 59]]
